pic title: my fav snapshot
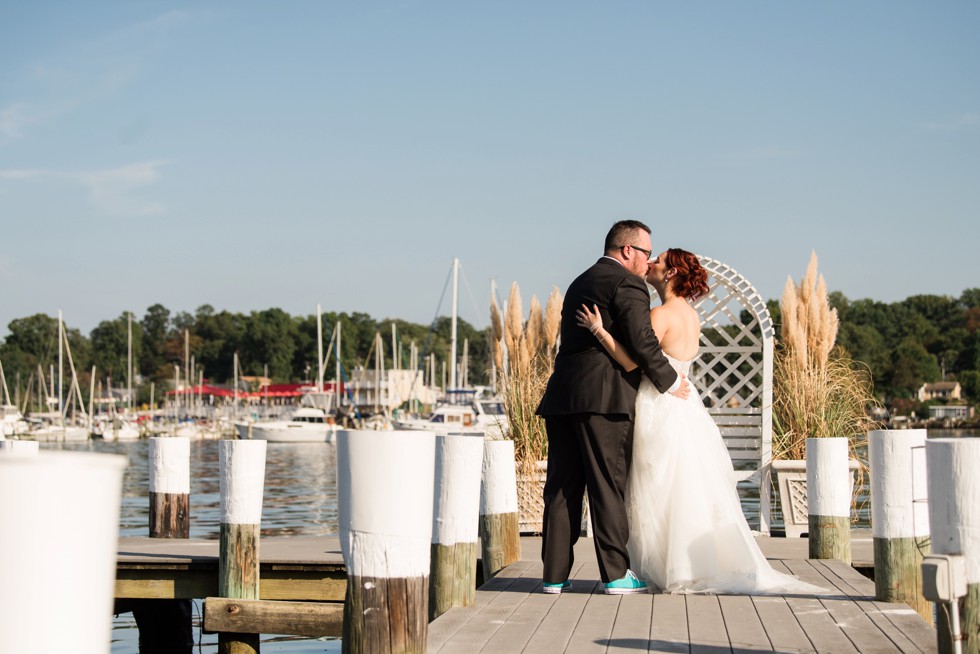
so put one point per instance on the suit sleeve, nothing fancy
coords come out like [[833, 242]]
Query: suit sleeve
[[631, 310]]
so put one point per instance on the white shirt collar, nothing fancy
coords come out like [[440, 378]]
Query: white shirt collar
[[606, 256]]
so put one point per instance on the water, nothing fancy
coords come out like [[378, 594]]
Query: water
[[300, 499]]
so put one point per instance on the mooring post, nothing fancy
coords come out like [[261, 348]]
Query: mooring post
[[165, 625], [60, 522], [899, 515], [385, 482], [455, 521], [170, 487], [828, 498], [954, 520], [242, 468], [26, 448], [499, 531]]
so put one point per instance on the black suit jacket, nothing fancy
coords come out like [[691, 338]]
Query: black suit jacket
[[586, 378]]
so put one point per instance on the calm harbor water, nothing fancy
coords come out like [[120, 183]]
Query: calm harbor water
[[300, 499]]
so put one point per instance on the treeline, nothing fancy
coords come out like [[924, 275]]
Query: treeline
[[267, 342], [921, 339], [924, 338]]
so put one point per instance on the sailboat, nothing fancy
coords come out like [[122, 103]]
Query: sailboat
[[62, 431], [462, 408], [12, 422], [308, 423]]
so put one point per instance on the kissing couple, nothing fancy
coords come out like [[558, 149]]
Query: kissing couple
[[625, 424]]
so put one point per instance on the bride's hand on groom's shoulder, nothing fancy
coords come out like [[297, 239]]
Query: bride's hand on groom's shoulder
[[684, 390]]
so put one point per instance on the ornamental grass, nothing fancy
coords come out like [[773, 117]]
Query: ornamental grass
[[523, 354], [818, 390]]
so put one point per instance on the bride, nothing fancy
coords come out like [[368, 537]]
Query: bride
[[687, 531]]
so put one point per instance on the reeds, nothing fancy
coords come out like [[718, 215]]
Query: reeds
[[819, 391], [523, 355]]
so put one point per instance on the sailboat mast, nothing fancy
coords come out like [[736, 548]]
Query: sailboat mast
[[452, 347], [129, 366], [319, 350], [337, 389], [61, 353]]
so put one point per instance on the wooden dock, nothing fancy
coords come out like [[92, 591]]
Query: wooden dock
[[513, 615], [309, 568]]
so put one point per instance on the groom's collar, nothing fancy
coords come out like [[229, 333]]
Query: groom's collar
[[605, 256]]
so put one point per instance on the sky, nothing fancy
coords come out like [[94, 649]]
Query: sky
[[251, 155]]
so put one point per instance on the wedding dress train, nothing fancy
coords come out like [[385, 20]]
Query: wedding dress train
[[687, 531]]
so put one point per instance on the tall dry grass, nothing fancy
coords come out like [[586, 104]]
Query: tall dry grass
[[818, 390], [523, 354]]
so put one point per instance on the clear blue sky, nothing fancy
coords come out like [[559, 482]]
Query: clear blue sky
[[251, 155]]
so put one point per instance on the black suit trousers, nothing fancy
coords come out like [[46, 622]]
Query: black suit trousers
[[586, 451]]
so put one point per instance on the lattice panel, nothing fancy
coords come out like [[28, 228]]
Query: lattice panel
[[730, 370]]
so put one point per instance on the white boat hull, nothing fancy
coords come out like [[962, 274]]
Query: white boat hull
[[59, 435], [286, 432]]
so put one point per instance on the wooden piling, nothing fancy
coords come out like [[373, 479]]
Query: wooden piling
[[455, 523], [499, 530], [242, 469], [170, 487], [385, 482], [828, 498], [168, 626], [899, 523], [954, 521], [60, 531]]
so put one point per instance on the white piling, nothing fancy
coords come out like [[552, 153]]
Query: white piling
[[385, 483], [25, 448], [899, 515], [242, 468], [828, 487], [455, 521], [170, 487], [499, 530], [954, 520], [60, 521]]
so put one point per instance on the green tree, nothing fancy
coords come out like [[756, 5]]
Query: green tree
[[970, 298], [970, 383], [110, 345], [221, 335], [155, 332], [270, 340], [912, 366]]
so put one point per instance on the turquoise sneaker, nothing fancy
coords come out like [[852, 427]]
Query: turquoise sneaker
[[628, 585], [555, 589]]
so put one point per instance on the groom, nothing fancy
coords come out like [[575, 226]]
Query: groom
[[588, 410]]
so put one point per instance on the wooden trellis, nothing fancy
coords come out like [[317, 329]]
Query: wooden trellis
[[733, 374]]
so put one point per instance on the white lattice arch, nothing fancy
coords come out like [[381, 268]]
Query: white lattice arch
[[733, 373]]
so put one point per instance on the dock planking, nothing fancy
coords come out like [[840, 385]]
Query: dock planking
[[305, 568], [516, 616], [512, 614]]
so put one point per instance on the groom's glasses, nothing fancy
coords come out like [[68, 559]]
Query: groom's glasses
[[646, 252]]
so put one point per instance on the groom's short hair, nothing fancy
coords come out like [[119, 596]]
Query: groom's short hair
[[622, 233]]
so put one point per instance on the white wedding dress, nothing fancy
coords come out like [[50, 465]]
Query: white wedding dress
[[687, 531]]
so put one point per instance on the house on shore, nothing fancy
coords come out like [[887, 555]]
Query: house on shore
[[944, 391]]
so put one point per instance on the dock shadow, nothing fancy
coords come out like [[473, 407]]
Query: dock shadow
[[679, 647]]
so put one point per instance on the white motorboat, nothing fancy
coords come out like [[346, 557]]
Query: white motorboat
[[304, 425], [58, 434], [485, 414], [12, 423], [115, 429]]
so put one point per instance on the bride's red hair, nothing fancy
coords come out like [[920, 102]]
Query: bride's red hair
[[690, 279]]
